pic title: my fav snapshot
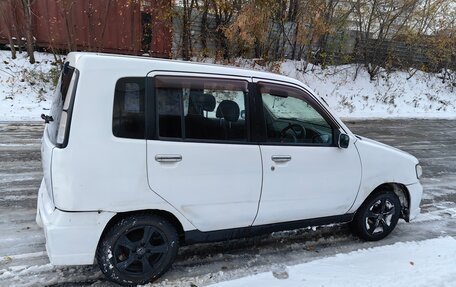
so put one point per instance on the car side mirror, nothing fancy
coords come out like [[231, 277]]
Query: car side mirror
[[343, 141]]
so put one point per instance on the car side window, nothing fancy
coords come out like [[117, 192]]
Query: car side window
[[169, 112], [291, 118], [128, 112], [204, 109]]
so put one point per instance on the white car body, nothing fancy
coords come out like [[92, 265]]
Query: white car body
[[215, 186]]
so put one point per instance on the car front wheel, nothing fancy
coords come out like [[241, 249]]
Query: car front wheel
[[137, 249], [377, 216]]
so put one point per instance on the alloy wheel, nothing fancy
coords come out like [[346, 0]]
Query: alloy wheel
[[137, 251], [379, 216]]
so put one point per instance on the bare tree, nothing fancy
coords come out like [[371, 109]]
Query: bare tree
[[97, 22], [8, 23], [66, 7], [28, 15], [380, 21], [188, 7], [204, 27]]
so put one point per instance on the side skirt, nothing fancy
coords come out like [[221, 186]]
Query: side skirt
[[196, 236]]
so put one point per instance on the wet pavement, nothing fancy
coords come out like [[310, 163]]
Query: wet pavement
[[23, 260]]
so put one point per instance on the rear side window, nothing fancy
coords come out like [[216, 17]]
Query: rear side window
[[128, 115], [204, 109]]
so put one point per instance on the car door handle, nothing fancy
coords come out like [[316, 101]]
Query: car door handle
[[281, 158], [168, 157]]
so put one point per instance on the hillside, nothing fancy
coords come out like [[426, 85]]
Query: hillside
[[25, 89]]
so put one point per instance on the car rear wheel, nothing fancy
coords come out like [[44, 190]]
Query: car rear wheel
[[138, 249], [377, 216]]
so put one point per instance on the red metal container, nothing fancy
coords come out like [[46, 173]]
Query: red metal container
[[116, 26]]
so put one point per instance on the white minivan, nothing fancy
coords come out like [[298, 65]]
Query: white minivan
[[141, 156]]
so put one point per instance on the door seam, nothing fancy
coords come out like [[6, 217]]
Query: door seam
[[261, 187]]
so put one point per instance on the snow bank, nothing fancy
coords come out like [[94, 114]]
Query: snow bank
[[351, 94], [426, 263], [25, 90], [391, 95]]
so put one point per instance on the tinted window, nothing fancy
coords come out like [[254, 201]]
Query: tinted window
[[201, 108], [291, 118], [169, 112], [128, 115]]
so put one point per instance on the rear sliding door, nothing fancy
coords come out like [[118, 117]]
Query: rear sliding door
[[199, 158]]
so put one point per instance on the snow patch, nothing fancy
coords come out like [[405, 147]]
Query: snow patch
[[22, 256], [25, 89], [425, 263], [438, 214], [22, 270]]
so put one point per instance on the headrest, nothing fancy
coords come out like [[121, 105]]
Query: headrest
[[229, 110], [206, 102]]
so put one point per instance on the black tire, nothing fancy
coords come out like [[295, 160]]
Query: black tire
[[137, 249], [377, 216]]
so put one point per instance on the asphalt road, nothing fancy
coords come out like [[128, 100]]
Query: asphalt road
[[23, 260]]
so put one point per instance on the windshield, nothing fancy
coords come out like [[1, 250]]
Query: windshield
[[61, 100]]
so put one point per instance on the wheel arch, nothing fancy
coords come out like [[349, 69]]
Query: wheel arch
[[162, 213], [402, 193]]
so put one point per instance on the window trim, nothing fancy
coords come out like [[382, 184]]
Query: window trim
[[307, 97], [155, 134], [149, 101]]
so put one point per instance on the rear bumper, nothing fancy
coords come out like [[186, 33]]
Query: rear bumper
[[415, 192], [71, 237]]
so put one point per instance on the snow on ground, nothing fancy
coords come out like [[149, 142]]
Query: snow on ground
[[426, 263], [25, 90]]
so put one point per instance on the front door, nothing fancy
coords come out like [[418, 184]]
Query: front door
[[199, 157], [306, 175]]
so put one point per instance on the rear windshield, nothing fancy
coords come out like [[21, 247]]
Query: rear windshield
[[61, 99]]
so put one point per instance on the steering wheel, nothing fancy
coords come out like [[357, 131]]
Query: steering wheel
[[317, 139], [297, 132]]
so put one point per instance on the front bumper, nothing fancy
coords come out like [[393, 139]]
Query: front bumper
[[416, 193], [71, 237]]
